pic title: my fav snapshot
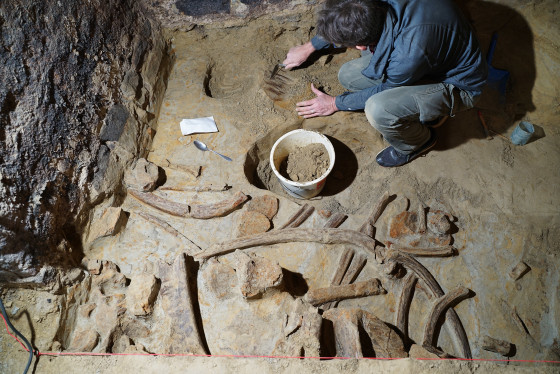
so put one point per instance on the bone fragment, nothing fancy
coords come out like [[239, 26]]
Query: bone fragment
[[325, 236], [199, 211], [519, 270], [495, 345], [301, 215], [343, 264], [351, 274], [206, 188], [192, 247], [221, 208], [192, 170], [294, 217], [354, 269], [421, 214], [405, 300], [440, 306], [348, 291], [335, 220], [377, 210], [444, 251], [369, 230], [461, 341]]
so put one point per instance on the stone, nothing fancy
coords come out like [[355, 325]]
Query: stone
[[141, 294], [94, 267], [256, 274], [419, 352], [56, 346], [110, 280], [86, 309], [112, 220], [219, 280], [84, 341], [143, 176], [137, 348], [438, 223], [251, 223], [301, 333], [121, 345], [73, 276], [129, 85], [405, 230], [114, 123], [265, 204]]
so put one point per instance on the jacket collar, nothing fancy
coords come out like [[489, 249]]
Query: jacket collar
[[384, 47]]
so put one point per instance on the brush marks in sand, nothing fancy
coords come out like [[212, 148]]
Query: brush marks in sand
[[225, 80]]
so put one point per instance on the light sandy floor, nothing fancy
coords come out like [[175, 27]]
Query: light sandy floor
[[504, 198]]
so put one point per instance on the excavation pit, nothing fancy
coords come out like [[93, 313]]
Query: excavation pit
[[109, 269]]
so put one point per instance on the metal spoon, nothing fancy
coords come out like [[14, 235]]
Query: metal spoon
[[204, 147]]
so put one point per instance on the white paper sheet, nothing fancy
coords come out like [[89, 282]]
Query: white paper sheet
[[198, 125]]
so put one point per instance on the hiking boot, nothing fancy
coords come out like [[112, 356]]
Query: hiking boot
[[390, 157], [436, 122]]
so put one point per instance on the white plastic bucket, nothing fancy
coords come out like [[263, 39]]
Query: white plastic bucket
[[286, 144]]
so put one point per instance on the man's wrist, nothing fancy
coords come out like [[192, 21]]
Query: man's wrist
[[333, 104]]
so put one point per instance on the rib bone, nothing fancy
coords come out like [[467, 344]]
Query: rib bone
[[200, 211], [440, 306], [325, 236]]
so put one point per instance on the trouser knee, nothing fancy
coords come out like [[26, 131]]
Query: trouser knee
[[377, 116]]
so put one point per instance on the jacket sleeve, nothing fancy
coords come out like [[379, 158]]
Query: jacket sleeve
[[319, 43], [407, 64]]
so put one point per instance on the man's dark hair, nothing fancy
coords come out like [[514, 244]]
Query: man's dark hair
[[350, 23]]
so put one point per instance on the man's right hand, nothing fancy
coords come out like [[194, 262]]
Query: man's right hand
[[298, 55]]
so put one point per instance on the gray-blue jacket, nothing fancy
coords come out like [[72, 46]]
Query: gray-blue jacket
[[421, 39]]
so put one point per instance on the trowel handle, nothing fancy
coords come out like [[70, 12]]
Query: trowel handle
[[493, 42]]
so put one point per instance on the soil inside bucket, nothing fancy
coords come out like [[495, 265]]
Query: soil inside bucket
[[305, 164]]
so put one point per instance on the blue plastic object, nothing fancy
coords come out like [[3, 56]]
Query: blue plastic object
[[497, 78], [522, 133]]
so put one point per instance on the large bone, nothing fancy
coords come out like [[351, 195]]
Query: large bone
[[377, 210], [203, 188], [405, 300], [177, 302], [461, 341], [348, 291], [385, 341], [325, 236], [441, 305], [199, 211]]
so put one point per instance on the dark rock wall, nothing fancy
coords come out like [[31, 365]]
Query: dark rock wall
[[80, 85]]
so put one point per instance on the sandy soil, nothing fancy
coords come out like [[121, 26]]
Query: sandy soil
[[504, 198]]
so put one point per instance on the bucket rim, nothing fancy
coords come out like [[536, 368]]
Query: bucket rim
[[301, 184]]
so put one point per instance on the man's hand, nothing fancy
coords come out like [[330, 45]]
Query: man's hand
[[322, 105], [298, 55]]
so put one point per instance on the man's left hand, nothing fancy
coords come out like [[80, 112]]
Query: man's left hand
[[322, 105]]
